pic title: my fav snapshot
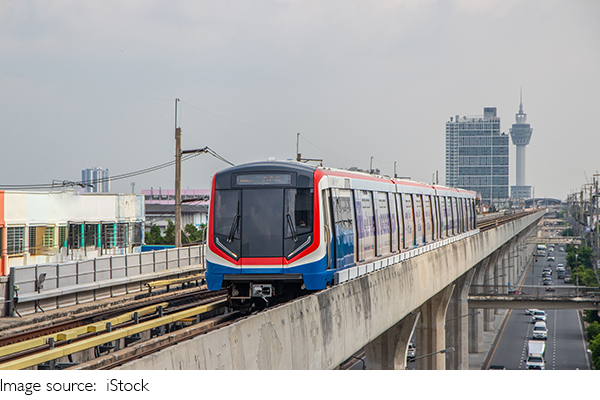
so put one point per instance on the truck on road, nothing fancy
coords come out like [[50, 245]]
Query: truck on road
[[535, 354]]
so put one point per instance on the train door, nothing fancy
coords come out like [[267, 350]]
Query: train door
[[342, 206]]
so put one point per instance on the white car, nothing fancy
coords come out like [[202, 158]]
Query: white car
[[410, 354], [538, 315], [550, 258], [540, 331]]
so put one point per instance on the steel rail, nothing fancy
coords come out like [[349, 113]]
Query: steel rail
[[35, 359]]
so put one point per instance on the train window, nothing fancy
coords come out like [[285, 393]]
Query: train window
[[418, 210], [382, 219], [427, 234], [262, 223], [227, 218], [298, 220], [393, 222], [226, 212], [409, 222], [343, 218], [365, 224], [298, 212]]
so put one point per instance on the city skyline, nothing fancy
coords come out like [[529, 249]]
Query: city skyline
[[96, 85]]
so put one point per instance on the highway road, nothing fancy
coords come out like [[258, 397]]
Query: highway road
[[565, 346]]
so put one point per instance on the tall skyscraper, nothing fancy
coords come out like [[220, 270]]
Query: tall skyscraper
[[521, 135], [477, 156], [97, 180]]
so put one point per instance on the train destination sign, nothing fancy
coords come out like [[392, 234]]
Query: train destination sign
[[263, 179]]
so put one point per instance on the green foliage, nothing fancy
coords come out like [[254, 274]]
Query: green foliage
[[595, 349], [154, 236], [568, 232], [194, 234], [592, 330], [590, 316]]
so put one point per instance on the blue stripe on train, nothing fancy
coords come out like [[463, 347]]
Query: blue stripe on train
[[315, 274]]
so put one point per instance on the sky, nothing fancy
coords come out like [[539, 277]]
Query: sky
[[88, 84]]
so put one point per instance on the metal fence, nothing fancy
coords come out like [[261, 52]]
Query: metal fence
[[49, 286]]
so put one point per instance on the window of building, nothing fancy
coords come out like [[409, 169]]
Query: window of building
[[15, 239]]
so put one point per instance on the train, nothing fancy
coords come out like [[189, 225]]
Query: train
[[277, 229]]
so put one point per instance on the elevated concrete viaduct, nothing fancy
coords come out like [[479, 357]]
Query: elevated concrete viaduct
[[426, 294]]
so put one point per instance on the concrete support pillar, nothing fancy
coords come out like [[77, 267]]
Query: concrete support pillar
[[500, 273], [431, 330], [388, 350], [457, 323], [489, 287], [476, 317]]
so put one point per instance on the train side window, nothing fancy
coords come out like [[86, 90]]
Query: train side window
[[427, 233], [409, 221], [418, 211], [382, 221], [343, 220], [365, 224], [401, 224], [393, 222]]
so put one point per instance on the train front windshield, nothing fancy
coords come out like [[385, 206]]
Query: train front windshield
[[262, 222]]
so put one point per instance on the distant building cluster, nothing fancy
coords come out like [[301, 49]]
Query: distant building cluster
[[477, 156], [96, 180]]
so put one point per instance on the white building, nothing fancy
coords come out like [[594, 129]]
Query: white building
[[45, 227]]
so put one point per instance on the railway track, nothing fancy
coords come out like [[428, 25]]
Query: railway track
[[87, 337], [494, 222]]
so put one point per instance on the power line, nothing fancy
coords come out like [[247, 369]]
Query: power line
[[66, 183]]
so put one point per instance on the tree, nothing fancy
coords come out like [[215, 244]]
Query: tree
[[154, 236], [595, 349], [169, 233], [592, 330], [193, 234]]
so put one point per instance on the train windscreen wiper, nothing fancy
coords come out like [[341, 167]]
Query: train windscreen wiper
[[234, 227], [292, 227]]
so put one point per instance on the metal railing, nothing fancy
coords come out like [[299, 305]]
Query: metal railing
[[50, 286]]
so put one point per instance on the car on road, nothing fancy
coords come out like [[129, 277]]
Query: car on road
[[538, 315], [540, 331], [530, 311], [567, 278], [547, 269], [550, 258], [410, 354], [561, 249]]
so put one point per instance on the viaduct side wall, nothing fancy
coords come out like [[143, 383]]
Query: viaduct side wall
[[323, 330]]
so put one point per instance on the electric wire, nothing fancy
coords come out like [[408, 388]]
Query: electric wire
[[66, 183]]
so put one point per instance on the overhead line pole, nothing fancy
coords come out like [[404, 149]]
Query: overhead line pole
[[177, 181]]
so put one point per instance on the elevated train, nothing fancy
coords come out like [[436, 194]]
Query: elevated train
[[277, 229]]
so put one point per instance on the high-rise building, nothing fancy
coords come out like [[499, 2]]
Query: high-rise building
[[96, 180], [477, 156], [521, 135]]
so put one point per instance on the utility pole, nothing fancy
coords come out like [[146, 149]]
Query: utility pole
[[298, 155], [177, 181]]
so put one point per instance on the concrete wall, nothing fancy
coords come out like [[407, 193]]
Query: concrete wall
[[324, 329]]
